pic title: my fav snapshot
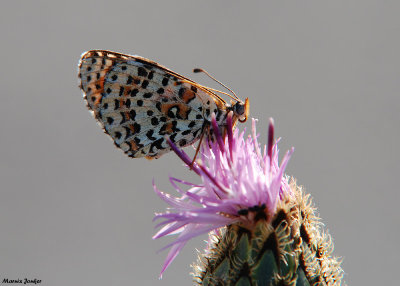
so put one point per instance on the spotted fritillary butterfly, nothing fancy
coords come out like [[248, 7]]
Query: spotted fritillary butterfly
[[139, 102]]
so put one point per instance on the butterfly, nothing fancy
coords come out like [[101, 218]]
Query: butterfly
[[139, 103]]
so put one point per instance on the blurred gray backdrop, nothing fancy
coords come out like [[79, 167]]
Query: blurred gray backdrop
[[75, 211]]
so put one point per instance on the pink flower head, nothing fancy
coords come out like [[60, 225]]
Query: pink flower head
[[239, 184]]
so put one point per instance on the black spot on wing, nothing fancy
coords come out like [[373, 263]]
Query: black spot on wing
[[129, 80], [142, 72], [196, 132], [132, 114], [154, 121], [137, 127], [164, 81], [174, 128], [219, 113], [173, 111], [145, 84], [149, 135], [123, 117], [172, 137], [157, 144], [118, 135], [128, 132], [134, 92], [137, 141], [181, 92], [116, 104]]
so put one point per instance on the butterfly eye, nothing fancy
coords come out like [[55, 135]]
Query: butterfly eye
[[239, 109], [244, 110]]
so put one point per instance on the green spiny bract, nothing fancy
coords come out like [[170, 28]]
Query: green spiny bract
[[289, 249]]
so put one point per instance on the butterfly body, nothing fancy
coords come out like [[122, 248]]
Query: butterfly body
[[139, 102]]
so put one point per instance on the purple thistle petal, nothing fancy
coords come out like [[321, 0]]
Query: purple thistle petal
[[166, 230], [184, 157], [171, 256], [212, 179], [172, 201], [270, 138], [173, 180], [216, 132], [229, 131], [192, 231], [255, 142]]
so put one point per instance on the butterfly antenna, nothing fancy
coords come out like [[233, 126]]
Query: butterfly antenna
[[197, 70]]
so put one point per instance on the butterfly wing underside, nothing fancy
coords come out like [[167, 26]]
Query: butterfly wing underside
[[139, 103]]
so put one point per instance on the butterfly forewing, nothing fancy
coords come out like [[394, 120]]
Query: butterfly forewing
[[139, 103]]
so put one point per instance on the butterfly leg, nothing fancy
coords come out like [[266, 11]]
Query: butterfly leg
[[205, 129]]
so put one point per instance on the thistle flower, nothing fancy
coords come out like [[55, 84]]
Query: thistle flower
[[237, 183], [245, 202]]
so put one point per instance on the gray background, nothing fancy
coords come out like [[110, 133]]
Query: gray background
[[75, 211]]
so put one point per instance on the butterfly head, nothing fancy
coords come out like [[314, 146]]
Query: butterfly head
[[241, 110]]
